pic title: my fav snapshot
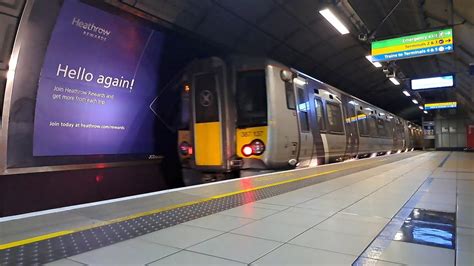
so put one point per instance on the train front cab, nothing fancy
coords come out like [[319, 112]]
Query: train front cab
[[266, 128], [250, 113], [273, 129], [206, 146], [296, 127]]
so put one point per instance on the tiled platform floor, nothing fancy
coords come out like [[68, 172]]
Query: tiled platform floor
[[330, 223]]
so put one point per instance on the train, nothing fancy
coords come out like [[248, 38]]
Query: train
[[242, 113]]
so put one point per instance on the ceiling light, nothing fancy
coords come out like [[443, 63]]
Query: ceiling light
[[335, 22], [425, 112], [376, 64], [381, 113], [353, 103], [368, 109], [394, 81], [421, 107], [406, 93], [414, 101]]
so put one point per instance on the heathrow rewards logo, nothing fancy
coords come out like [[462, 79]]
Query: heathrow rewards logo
[[91, 30]]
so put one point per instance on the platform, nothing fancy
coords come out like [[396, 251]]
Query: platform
[[413, 208]]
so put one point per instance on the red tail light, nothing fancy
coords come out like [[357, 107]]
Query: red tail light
[[256, 147], [185, 148]]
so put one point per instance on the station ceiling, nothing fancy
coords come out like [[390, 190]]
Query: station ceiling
[[294, 33]]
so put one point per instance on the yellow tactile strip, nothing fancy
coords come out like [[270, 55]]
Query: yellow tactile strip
[[61, 244]]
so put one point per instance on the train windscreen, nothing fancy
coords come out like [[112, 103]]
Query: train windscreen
[[251, 97], [207, 105]]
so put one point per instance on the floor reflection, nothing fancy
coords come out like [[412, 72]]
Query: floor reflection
[[429, 228]]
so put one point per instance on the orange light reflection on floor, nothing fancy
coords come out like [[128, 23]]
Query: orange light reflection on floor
[[248, 196]]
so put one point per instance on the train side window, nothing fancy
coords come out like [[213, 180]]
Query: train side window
[[389, 128], [303, 106], [320, 114], [290, 96], [398, 126], [362, 122], [372, 126], [381, 131], [334, 115]]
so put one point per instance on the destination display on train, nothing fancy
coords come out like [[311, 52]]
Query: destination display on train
[[99, 76], [442, 105], [423, 44]]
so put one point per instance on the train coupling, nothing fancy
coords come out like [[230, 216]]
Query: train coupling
[[236, 163]]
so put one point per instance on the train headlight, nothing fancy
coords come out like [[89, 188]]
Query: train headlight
[[247, 150], [185, 148], [256, 147]]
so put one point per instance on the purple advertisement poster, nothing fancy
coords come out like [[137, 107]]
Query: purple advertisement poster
[[98, 79]]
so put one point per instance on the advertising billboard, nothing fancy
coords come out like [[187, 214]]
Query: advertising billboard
[[444, 81], [98, 78], [423, 44]]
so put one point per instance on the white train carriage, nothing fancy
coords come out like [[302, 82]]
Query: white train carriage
[[255, 113]]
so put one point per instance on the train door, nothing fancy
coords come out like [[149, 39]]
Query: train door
[[397, 135], [208, 124], [305, 136], [352, 136], [335, 136], [405, 136], [317, 124]]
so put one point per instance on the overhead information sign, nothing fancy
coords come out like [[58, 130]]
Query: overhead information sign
[[423, 44], [444, 105], [433, 82]]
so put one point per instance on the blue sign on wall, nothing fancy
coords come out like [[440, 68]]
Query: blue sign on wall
[[443, 105], [98, 79]]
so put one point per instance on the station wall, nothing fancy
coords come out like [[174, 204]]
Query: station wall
[[450, 130]]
